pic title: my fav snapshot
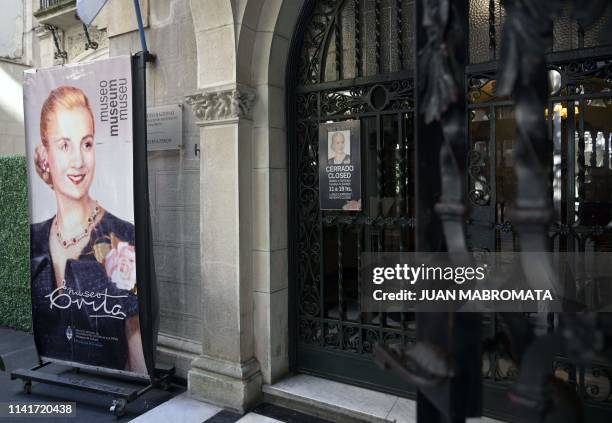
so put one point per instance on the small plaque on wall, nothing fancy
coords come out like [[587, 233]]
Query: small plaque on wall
[[164, 127], [340, 165]]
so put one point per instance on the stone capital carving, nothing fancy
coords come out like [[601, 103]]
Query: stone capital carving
[[223, 104]]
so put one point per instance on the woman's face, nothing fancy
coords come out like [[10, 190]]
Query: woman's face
[[338, 144], [70, 151]]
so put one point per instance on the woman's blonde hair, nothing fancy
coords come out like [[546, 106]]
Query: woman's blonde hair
[[64, 97]]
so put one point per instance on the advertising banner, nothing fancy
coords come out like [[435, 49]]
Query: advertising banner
[[340, 165], [80, 150]]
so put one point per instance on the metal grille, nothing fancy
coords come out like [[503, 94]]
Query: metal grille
[[356, 38], [327, 245], [350, 49], [487, 18], [578, 117], [45, 4]]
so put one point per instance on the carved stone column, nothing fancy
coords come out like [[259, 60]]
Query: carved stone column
[[226, 373]]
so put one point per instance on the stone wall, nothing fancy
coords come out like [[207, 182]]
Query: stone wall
[[12, 40], [173, 177], [12, 136], [242, 46], [11, 29]]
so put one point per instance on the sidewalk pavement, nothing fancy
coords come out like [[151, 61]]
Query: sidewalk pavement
[[17, 350]]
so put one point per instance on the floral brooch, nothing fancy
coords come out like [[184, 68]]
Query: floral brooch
[[119, 260]]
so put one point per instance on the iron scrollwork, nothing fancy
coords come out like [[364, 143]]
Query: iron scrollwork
[[527, 36], [395, 95], [522, 74], [310, 331], [350, 338], [586, 76], [350, 102], [480, 188], [481, 88], [307, 231], [428, 363], [59, 53], [441, 67], [526, 39], [323, 18], [89, 44]]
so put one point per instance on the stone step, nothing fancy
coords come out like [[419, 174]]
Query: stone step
[[342, 403], [339, 402]]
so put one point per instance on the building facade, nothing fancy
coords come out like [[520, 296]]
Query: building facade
[[256, 282], [207, 52]]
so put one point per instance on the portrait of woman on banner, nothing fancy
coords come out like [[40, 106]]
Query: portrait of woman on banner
[[84, 292]]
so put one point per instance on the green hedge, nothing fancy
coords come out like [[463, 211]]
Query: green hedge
[[15, 300]]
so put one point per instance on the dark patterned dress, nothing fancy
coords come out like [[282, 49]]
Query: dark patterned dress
[[84, 322]]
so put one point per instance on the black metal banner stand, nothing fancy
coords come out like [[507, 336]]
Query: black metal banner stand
[[147, 298], [121, 395]]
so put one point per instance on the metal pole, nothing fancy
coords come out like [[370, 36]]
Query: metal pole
[[143, 41], [148, 298]]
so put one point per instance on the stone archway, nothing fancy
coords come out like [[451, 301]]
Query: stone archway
[[268, 63], [242, 49]]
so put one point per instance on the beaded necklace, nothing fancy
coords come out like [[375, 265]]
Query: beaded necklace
[[75, 239]]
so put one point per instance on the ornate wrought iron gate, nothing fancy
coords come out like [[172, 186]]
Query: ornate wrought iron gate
[[579, 122], [355, 62], [354, 59]]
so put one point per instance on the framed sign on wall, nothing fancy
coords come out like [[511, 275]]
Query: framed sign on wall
[[165, 127]]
